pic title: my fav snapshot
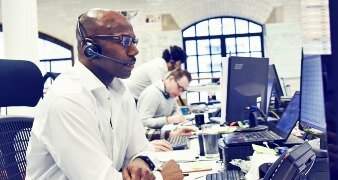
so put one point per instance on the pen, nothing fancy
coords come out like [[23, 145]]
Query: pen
[[197, 170]]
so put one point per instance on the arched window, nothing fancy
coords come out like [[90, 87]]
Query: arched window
[[55, 55], [206, 41]]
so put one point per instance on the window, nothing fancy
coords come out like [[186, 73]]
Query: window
[[205, 42], [55, 55]]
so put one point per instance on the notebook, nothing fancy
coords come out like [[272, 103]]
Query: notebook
[[275, 133]]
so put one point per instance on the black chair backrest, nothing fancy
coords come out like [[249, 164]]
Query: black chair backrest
[[14, 137], [51, 75], [21, 84]]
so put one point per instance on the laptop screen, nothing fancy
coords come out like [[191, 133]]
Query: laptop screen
[[290, 115]]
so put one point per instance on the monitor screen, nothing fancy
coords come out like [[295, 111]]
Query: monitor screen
[[312, 110], [247, 80], [268, 96], [290, 115], [277, 90]]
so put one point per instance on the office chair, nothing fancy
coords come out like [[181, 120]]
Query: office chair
[[51, 75], [21, 84]]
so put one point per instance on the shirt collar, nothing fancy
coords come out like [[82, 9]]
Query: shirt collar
[[91, 82]]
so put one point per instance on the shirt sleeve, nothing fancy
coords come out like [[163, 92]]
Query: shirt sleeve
[[139, 145], [74, 142], [153, 134], [157, 73], [176, 110]]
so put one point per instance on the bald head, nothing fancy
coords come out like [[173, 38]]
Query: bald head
[[106, 44], [102, 21]]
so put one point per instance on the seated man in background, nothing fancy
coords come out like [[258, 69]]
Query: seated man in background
[[155, 70], [157, 105], [87, 125]]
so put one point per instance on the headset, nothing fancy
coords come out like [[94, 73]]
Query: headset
[[92, 50], [165, 93]]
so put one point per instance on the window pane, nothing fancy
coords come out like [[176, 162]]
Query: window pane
[[256, 54], [190, 32], [204, 63], [205, 75], [254, 28], [194, 82], [216, 74], [243, 54], [204, 96], [192, 64], [2, 46], [202, 28], [228, 26], [190, 47], [49, 50], [255, 43], [215, 46], [216, 62], [241, 26], [215, 26], [192, 97], [242, 44], [203, 46], [230, 45], [61, 66]]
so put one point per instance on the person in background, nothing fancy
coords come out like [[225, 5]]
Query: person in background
[[157, 105], [87, 125], [155, 70]]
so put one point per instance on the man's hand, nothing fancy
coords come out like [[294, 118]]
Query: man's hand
[[175, 119], [183, 131], [162, 145], [171, 171], [137, 169]]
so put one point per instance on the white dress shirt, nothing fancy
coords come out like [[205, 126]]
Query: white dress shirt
[[84, 130], [145, 75]]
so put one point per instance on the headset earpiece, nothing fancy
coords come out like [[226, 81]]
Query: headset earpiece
[[166, 95], [90, 49]]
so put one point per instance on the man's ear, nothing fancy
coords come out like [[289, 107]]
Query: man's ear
[[171, 78]]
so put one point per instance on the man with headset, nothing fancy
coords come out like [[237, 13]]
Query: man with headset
[[157, 105], [87, 126], [155, 70]]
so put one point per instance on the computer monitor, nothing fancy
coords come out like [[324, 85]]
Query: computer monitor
[[312, 109], [277, 91], [244, 84], [268, 96]]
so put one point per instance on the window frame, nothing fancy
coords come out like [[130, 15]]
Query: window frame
[[222, 39]]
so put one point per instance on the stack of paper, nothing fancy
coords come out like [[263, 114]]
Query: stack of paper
[[179, 156]]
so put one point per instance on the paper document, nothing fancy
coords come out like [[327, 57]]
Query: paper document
[[179, 156]]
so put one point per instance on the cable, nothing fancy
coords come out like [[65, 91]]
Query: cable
[[275, 114]]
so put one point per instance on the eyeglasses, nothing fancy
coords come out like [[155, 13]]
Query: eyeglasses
[[180, 88], [124, 40]]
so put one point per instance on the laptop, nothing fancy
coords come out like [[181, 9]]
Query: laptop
[[275, 133]]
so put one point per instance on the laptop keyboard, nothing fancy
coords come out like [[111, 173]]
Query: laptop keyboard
[[179, 142], [261, 135], [230, 175]]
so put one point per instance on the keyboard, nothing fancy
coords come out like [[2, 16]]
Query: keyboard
[[261, 135], [179, 142], [229, 175]]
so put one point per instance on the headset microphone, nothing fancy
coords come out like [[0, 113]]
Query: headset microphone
[[93, 53]]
